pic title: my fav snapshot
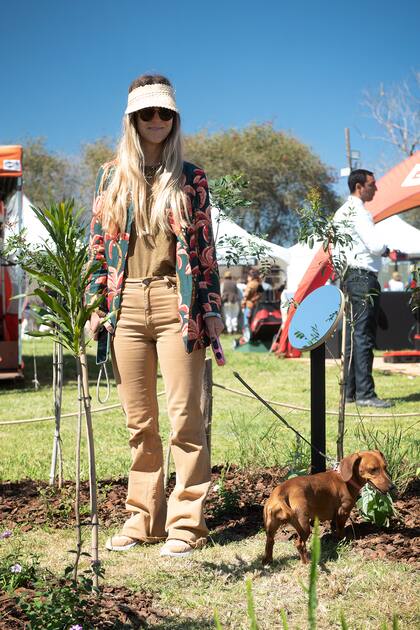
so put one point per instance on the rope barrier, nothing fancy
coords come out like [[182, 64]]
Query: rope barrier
[[64, 415], [233, 391], [331, 413]]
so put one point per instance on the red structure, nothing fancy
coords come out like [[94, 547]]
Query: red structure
[[10, 275]]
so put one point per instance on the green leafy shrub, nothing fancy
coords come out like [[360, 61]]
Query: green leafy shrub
[[47, 601], [60, 602], [376, 507], [16, 573]]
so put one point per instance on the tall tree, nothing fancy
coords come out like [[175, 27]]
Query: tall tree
[[46, 175], [396, 110], [94, 154], [280, 169]]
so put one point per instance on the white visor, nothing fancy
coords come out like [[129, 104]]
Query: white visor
[[155, 95]]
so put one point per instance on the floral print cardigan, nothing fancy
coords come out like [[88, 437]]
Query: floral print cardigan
[[196, 266]]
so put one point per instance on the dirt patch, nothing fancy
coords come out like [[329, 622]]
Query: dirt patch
[[233, 511], [116, 607]]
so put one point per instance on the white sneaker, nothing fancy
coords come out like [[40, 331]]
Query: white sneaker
[[176, 548], [120, 542]]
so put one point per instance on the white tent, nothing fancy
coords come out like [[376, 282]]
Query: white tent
[[300, 256], [398, 234], [225, 227], [35, 231]]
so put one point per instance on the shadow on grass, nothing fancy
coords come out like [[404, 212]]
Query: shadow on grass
[[414, 397], [237, 570], [227, 527]]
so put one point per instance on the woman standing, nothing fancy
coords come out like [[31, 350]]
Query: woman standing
[[151, 230]]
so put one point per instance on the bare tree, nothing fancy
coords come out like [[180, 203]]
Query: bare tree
[[396, 110]]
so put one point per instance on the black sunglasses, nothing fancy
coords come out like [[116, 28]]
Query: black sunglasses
[[147, 113]]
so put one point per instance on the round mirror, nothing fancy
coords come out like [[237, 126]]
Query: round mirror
[[316, 318]]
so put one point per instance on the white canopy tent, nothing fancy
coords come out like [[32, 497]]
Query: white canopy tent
[[225, 227], [35, 231], [398, 234]]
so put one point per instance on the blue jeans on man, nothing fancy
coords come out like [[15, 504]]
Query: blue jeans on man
[[364, 291]]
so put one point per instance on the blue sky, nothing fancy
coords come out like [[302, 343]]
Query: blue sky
[[66, 66]]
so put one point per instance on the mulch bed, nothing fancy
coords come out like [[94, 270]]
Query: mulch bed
[[116, 608], [233, 512]]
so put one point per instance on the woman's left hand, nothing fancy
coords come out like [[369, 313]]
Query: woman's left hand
[[214, 326]]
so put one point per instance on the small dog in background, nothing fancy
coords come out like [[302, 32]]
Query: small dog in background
[[330, 496]]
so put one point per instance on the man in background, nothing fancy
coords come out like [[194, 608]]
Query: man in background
[[361, 284], [395, 283]]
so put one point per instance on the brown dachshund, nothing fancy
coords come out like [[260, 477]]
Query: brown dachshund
[[330, 496]]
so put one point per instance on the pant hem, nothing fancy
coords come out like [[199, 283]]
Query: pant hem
[[199, 543], [151, 540]]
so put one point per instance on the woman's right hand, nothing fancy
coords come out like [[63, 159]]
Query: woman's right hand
[[96, 323]]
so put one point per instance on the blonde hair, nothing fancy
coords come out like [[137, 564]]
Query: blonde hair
[[128, 181]]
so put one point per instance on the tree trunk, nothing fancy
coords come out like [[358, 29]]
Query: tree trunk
[[77, 498], [58, 395], [92, 468]]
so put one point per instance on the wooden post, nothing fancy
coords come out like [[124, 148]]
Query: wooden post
[[58, 396], [207, 400]]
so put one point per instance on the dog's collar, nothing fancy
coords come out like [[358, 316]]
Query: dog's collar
[[351, 482]]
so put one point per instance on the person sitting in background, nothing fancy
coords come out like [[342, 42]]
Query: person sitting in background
[[395, 283], [252, 295], [231, 299]]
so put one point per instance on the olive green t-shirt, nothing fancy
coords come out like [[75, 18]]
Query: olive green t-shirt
[[148, 255]]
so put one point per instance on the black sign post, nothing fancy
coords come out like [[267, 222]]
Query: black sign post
[[314, 322], [318, 422]]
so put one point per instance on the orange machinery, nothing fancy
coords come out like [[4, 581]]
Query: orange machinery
[[10, 275]]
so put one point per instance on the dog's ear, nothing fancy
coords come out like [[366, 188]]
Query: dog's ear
[[347, 466], [382, 455]]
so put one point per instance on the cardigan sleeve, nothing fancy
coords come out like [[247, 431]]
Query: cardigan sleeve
[[98, 279], [208, 276]]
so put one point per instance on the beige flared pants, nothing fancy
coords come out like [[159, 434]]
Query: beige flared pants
[[149, 331]]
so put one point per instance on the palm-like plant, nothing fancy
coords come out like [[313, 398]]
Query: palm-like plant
[[64, 314]]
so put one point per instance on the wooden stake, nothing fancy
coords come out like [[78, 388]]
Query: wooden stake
[[77, 497], [207, 400], [58, 396], [92, 467]]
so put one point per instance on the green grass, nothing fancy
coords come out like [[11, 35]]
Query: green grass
[[368, 592], [189, 590], [29, 445]]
